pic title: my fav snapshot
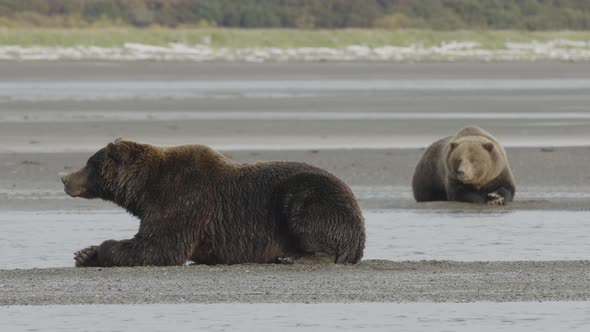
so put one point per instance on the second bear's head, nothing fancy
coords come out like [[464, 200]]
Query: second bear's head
[[474, 160]]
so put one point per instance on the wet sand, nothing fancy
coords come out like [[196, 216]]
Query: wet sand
[[547, 178], [370, 281], [52, 118], [56, 107]]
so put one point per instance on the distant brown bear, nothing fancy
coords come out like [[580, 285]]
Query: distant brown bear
[[468, 167], [195, 204]]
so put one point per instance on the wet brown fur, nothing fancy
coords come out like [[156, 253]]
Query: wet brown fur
[[195, 204], [487, 177]]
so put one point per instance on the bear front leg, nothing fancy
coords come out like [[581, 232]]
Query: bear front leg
[[86, 257], [470, 197], [95, 256], [461, 193], [135, 252]]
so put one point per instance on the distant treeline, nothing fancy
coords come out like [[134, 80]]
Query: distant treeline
[[307, 14]]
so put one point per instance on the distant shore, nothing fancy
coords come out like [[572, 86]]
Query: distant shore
[[279, 45]]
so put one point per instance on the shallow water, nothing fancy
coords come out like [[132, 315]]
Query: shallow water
[[118, 90], [302, 115], [478, 236], [49, 239], [54, 107], [480, 316]]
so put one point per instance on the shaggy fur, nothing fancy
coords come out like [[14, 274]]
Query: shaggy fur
[[195, 204], [468, 167]]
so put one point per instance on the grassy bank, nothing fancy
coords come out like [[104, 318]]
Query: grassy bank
[[281, 38]]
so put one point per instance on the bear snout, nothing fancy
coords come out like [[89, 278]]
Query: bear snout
[[461, 171], [75, 183], [464, 173]]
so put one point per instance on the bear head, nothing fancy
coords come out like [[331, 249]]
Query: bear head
[[474, 161], [114, 173]]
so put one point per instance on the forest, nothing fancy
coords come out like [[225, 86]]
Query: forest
[[528, 15]]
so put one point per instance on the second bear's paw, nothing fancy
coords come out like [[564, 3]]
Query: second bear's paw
[[495, 199], [86, 257]]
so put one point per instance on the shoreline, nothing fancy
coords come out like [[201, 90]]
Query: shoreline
[[559, 50], [289, 45]]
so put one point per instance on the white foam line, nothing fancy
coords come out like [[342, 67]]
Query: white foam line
[[106, 116], [559, 49]]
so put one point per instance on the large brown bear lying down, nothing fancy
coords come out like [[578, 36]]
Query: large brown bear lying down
[[195, 204], [468, 167]]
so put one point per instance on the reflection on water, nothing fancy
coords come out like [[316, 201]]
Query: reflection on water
[[478, 236], [49, 239], [520, 316]]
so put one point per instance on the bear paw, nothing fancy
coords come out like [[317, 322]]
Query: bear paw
[[86, 257], [495, 199], [285, 260]]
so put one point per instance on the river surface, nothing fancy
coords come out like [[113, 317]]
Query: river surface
[[49, 238], [464, 317], [78, 106]]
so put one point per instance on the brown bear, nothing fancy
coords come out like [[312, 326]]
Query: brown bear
[[197, 205], [468, 167]]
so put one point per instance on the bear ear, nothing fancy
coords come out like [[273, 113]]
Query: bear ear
[[123, 151], [488, 146], [454, 145]]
